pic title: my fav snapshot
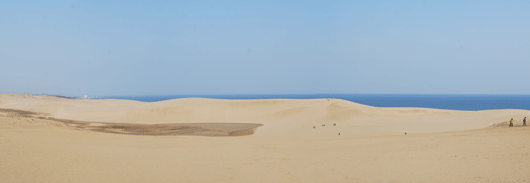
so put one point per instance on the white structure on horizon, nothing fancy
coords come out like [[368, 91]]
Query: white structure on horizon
[[86, 96]]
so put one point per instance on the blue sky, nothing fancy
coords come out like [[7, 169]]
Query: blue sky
[[264, 47]]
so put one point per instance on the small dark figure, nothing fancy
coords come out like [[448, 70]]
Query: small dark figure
[[334, 124], [405, 132], [323, 124], [524, 121], [339, 134], [314, 127], [511, 122]]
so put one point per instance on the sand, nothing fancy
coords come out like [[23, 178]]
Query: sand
[[37, 144]]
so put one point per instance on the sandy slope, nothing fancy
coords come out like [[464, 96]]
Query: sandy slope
[[442, 145]]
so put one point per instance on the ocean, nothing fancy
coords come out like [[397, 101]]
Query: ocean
[[439, 101]]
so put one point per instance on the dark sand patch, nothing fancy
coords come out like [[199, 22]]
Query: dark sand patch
[[193, 129], [170, 129], [18, 113]]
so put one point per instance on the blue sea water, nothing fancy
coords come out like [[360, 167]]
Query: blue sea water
[[452, 102]]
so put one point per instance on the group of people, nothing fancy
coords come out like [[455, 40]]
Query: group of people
[[524, 122], [334, 124]]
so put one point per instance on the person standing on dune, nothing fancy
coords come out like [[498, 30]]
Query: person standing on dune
[[511, 122], [524, 121]]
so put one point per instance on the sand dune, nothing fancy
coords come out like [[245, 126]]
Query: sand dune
[[286, 117], [442, 145]]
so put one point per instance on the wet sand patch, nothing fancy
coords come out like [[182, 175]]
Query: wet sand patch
[[189, 129], [169, 129]]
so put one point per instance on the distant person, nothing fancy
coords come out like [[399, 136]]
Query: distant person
[[511, 122], [524, 121]]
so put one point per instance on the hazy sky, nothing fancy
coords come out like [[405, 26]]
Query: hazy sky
[[264, 47]]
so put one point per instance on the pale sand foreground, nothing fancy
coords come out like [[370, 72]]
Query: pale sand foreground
[[442, 145]]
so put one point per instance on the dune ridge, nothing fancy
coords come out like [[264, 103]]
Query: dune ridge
[[49, 139], [290, 114]]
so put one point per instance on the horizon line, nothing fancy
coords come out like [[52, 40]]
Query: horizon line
[[143, 95]]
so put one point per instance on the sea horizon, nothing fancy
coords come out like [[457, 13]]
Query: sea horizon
[[465, 102]]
